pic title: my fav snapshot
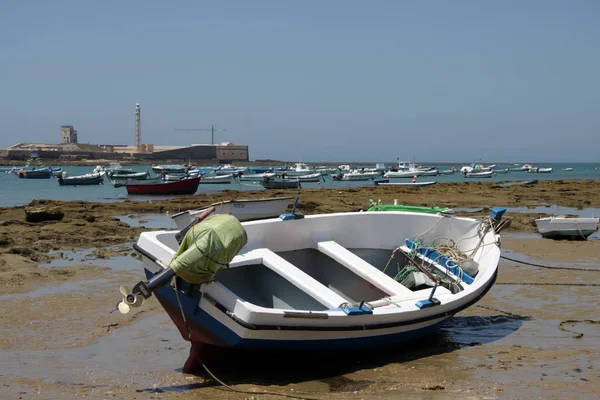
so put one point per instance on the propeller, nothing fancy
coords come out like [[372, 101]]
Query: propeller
[[143, 289], [129, 300]]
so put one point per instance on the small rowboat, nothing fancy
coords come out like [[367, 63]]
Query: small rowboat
[[80, 180], [184, 186], [242, 209], [316, 282], [484, 174], [42, 173], [217, 179], [566, 228], [289, 183], [409, 184]]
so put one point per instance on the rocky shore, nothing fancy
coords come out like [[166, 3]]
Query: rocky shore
[[59, 341]]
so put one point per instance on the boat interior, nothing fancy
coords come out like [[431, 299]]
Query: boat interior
[[325, 274]]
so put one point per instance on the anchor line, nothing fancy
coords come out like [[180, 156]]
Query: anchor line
[[548, 284], [550, 267]]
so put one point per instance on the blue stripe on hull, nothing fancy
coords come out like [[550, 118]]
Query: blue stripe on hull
[[204, 325]]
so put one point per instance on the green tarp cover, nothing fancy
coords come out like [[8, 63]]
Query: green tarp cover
[[209, 247]]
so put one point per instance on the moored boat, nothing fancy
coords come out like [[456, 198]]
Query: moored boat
[[316, 177], [80, 180], [184, 186], [40, 173], [317, 282], [484, 174], [170, 169], [255, 177], [517, 183], [407, 184], [217, 179], [354, 175], [540, 170], [289, 183], [242, 209], [566, 228]]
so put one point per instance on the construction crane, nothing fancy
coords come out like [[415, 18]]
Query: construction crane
[[212, 130]]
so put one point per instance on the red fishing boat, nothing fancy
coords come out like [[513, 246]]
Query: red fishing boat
[[184, 186]]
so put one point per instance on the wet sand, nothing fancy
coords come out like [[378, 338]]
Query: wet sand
[[59, 280]]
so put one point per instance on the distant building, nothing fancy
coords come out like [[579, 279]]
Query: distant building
[[68, 134]]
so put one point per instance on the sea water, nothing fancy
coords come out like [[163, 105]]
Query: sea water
[[18, 192]]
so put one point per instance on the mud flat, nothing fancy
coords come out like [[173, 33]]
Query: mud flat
[[535, 334]]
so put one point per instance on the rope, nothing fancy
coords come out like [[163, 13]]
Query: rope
[[291, 396], [548, 284], [550, 267]]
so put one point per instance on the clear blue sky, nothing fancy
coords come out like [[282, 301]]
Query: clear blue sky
[[310, 80]]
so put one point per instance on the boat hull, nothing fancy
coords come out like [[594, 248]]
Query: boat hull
[[42, 174], [81, 180], [281, 184], [208, 325], [185, 186], [243, 210], [567, 228], [217, 179], [409, 184]]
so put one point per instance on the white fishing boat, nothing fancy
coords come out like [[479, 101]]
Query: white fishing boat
[[483, 174], [566, 228], [567, 169], [522, 168], [408, 184], [317, 282], [475, 168], [404, 169], [316, 177], [216, 179], [229, 169], [170, 169], [354, 175], [242, 209], [502, 171], [300, 169], [540, 170], [256, 177]]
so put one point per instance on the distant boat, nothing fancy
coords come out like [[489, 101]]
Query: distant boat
[[41, 173], [566, 228], [242, 209], [540, 170], [568, 169], [217, 179], [80, 180], [316, 177], [170, 169], [502, 171], [354, 175], [410, 184], [484, 174], [269, 183], [184, 186], [509, 184], [256, 177]]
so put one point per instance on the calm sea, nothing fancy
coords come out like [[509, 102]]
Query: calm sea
[[17, 192]]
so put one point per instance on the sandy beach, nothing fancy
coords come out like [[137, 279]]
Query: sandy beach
[[535, 334]]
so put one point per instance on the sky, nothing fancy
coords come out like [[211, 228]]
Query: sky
[[310, 80]]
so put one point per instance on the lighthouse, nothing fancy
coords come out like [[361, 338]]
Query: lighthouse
[[138, 128]]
